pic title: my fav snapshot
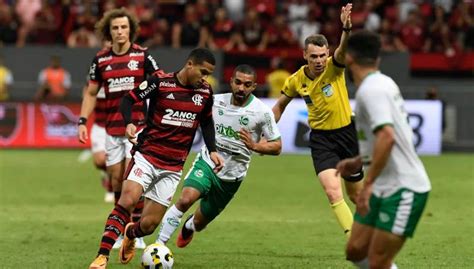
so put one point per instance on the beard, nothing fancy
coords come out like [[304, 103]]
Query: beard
[[240, 97]]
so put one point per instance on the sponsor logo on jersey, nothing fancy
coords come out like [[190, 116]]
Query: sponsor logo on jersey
[[108, 68], [143, 85], [153, 62], [220, 112], [227, 131], [121, 84], [146, 90], [202, 90], [327, 90], [92, 70], [179, 118], [197, 99], [133, 65], [106, 58], [244, 120], [170, 96], [167, 84], [136, 54]]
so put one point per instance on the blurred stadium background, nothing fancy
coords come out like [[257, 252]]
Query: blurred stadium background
[[52, 202]]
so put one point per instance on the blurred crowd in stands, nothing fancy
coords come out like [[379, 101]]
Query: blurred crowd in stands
[[444, 26], [241, 27]]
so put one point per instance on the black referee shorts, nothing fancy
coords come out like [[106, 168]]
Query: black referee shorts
[[328, 147]]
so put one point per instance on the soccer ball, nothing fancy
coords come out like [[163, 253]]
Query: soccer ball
[[157, 256]]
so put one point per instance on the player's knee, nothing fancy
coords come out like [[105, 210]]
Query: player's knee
[[355, 253], [184, 203], [99, 164], [127, 202], [334, 195]]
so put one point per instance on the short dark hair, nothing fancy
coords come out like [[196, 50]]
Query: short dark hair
[[246, 69], [364, 46], [200, 55], [317, 40], [103, 26]]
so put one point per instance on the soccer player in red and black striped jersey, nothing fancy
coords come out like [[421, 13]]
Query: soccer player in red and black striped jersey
[[118, 69], [179, 103]]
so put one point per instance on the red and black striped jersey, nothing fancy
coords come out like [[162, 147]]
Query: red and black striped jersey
[[174, 114], [119, 74], [100, 109]]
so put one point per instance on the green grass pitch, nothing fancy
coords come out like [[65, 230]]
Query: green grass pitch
[[52, 216]]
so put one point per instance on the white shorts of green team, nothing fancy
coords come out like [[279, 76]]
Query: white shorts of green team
[[159, 185], [97, 138], [117, 148]]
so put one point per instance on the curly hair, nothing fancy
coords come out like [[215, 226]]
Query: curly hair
[[103, 26]]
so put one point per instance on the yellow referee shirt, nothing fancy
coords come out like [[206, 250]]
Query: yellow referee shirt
[[326, 96]]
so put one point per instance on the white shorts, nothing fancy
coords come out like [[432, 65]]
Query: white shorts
[[158, 184], [97, 138], [117, 148]]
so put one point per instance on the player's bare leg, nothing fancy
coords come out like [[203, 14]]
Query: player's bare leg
[[116, 176], [358, 244], [383, 249]]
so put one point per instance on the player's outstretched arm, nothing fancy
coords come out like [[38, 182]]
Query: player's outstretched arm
[[340, 52]]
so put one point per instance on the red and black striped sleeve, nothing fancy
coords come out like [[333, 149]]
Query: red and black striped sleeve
[[94, 73], [145, 90], [151, 65], [207, 126]]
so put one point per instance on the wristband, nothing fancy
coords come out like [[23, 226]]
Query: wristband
[[347, 30], [82, 121]]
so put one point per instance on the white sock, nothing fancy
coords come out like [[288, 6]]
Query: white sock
[[363, 264], [190, 224], [394, 266], [169, 224]]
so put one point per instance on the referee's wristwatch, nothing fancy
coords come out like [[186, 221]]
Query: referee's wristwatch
[[347, 30]]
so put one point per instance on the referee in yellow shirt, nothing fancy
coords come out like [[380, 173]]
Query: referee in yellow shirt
[[333, 136]]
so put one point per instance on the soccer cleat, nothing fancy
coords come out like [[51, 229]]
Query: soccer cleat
[[185, 236], [140, 243], [100, 262], [118, 242], [127, 250]]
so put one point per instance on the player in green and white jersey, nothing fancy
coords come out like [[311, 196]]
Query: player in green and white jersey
[[240, 120], [396, 186]]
